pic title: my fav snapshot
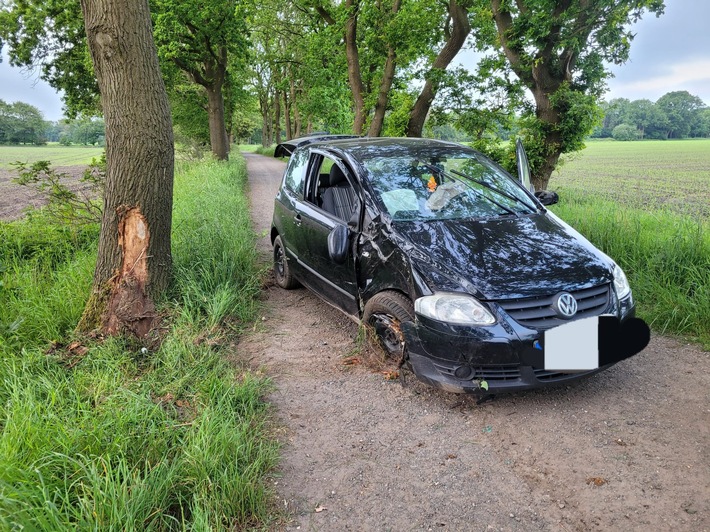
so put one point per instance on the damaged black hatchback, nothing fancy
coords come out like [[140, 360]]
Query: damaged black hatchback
[[457, 266]]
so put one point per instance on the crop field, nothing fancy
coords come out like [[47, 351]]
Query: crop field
[[672, 175], [57, 154]]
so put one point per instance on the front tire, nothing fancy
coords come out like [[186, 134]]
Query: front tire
[[384, 313], [282, 272]]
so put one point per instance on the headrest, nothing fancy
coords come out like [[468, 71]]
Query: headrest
[[336, 176]]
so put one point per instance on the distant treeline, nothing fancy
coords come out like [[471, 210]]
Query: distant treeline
[[22, 123], [675, 115]]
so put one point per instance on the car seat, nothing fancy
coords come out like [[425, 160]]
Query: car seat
[[339, 197]]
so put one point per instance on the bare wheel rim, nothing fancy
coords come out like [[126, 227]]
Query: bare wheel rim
[[280, 267], [388, 332]]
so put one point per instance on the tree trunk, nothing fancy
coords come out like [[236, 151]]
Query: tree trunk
[[296, 112], [134, 260], [457, 37], [378, 117], [353, 59], [219, 141], [211, 77], [287, 116], [265, 119], [277, 117], [550, 117]]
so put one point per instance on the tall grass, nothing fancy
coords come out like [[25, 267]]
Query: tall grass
[[108, 435], [665, 255], [214, 245]]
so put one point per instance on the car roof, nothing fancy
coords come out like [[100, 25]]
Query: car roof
[[363, 148], [285, 149]]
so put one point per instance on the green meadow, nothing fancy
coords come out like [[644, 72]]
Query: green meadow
[[647, 205], [58, 154], [667, 175], [112, 435]]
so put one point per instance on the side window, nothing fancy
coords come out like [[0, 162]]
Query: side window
[[296, 172], [333, 193]]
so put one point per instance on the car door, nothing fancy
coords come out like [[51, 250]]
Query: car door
[[287, 208], [334, 282], [523, 166]]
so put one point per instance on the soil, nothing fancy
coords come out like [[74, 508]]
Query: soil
[[15, 199], [627, 449]]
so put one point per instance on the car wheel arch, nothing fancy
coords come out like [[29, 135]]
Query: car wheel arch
[[384, 313]]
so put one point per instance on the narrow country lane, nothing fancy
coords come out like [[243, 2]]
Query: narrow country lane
[[628, 449]]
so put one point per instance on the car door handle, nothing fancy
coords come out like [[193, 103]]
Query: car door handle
[[297, 218]]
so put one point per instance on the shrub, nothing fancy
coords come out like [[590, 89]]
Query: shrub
[[625, 132]]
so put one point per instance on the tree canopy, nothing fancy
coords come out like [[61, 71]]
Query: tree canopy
[[557, 50], [676, 114], [21, 123], [375, 67]]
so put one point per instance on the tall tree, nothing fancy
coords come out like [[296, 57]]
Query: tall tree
[[380, 38], [649, 119], [134, 258], [200, 37], [456, 30], [682, 109], [21, 123], [558, 52]]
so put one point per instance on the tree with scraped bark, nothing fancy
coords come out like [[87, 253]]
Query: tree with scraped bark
[[134, 257]]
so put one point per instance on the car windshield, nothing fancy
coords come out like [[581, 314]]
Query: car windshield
[[444, 186]]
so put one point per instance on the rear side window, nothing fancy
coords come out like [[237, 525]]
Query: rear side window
[[296, 172]]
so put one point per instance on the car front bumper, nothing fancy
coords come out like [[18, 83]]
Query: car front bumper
[[506, 356]]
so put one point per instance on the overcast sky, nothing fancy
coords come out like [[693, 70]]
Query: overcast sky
[[669, 53]]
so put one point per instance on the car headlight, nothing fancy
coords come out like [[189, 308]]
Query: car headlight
[[459, 309], [621, 283]]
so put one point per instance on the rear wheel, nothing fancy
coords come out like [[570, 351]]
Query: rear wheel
[[282, 272], [385, 312]]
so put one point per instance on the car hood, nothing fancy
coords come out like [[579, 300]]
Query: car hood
[[503, 258]]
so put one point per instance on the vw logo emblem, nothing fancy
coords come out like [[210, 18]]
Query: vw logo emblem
[[565, 305]]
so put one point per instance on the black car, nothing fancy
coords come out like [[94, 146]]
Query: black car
[[459, 268]]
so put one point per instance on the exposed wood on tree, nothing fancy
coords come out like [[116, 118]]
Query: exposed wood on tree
[[129, 306]]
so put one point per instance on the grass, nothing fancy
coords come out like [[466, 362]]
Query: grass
[[248, 148], [646, 205], [651, 175], [59, 155], [111, 436]]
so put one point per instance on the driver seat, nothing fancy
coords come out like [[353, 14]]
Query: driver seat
[[339, 197]]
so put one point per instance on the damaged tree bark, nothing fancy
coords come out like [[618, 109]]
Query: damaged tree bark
[[134, 260], [129, 307]]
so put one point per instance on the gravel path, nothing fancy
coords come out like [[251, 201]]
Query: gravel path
[[628, 449]]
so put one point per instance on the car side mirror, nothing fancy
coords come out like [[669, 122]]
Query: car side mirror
[[547, 197], [338, 243]]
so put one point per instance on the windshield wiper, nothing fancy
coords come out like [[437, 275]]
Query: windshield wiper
[[438, 170], [495, 189]]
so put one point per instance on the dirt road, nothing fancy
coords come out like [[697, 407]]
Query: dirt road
[[628, 449]]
